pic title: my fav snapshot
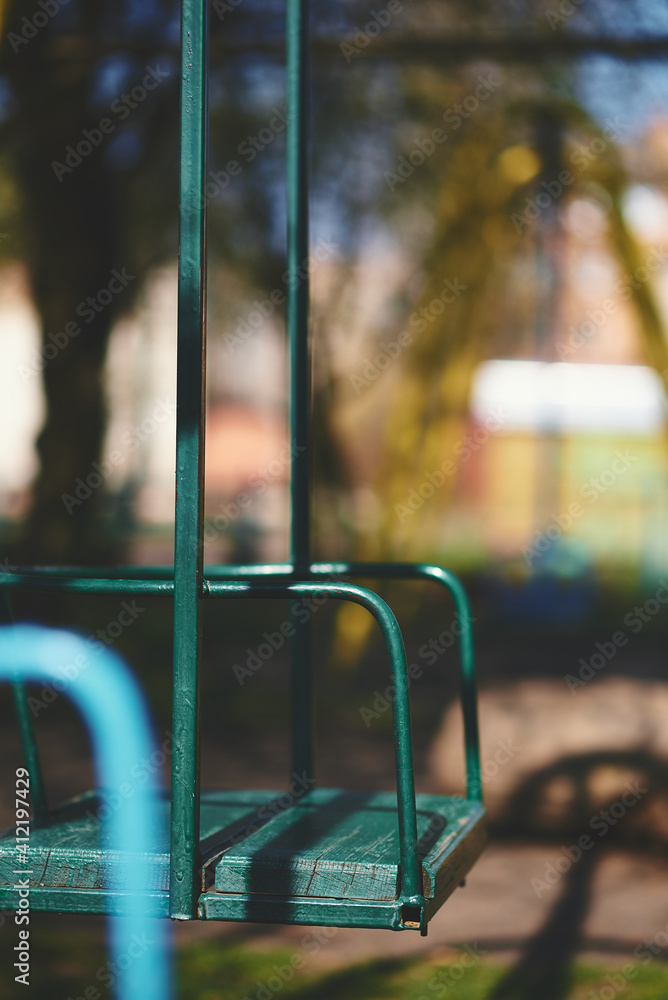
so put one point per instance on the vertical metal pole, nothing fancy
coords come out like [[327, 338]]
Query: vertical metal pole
[[297, 109], [469, 695], [188, 541], [26, 729]]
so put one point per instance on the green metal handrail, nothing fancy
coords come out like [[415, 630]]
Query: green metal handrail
[[188, 582], [411, 884], [154, 581]]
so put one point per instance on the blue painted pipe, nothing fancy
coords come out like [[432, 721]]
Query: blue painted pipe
[[110, 701]]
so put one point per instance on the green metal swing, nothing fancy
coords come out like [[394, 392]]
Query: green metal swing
[[325, 857]]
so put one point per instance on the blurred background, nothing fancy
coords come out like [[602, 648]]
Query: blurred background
[[489, 274]]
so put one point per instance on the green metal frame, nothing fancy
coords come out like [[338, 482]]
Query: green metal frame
[[190, 425], [188, 582]]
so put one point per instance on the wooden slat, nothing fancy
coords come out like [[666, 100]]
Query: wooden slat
[[341, 845], [69, 853], [331, 857], [304, 910], [450, 860]]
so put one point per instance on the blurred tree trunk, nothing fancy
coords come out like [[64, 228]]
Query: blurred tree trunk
[[72, 250]]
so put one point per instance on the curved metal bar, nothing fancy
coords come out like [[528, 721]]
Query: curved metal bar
[[411, 874], [406, 571], [61, 583], [469, 687], [469, 693], [109, 700], [155, 581]]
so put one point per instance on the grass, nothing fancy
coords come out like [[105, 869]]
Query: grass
[[73, 966], [241, 974], [69, 962]]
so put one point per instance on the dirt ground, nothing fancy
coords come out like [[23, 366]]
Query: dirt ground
[[619, 896], [497, 911]]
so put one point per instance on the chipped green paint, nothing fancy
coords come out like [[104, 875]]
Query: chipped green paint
[[342, 845], [278, 582], [331, 857], [68, 854]]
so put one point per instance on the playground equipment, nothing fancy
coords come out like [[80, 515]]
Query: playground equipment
[[113, 709], [328, 857]]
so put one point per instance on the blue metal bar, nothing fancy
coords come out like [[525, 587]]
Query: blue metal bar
[[110, 702]]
